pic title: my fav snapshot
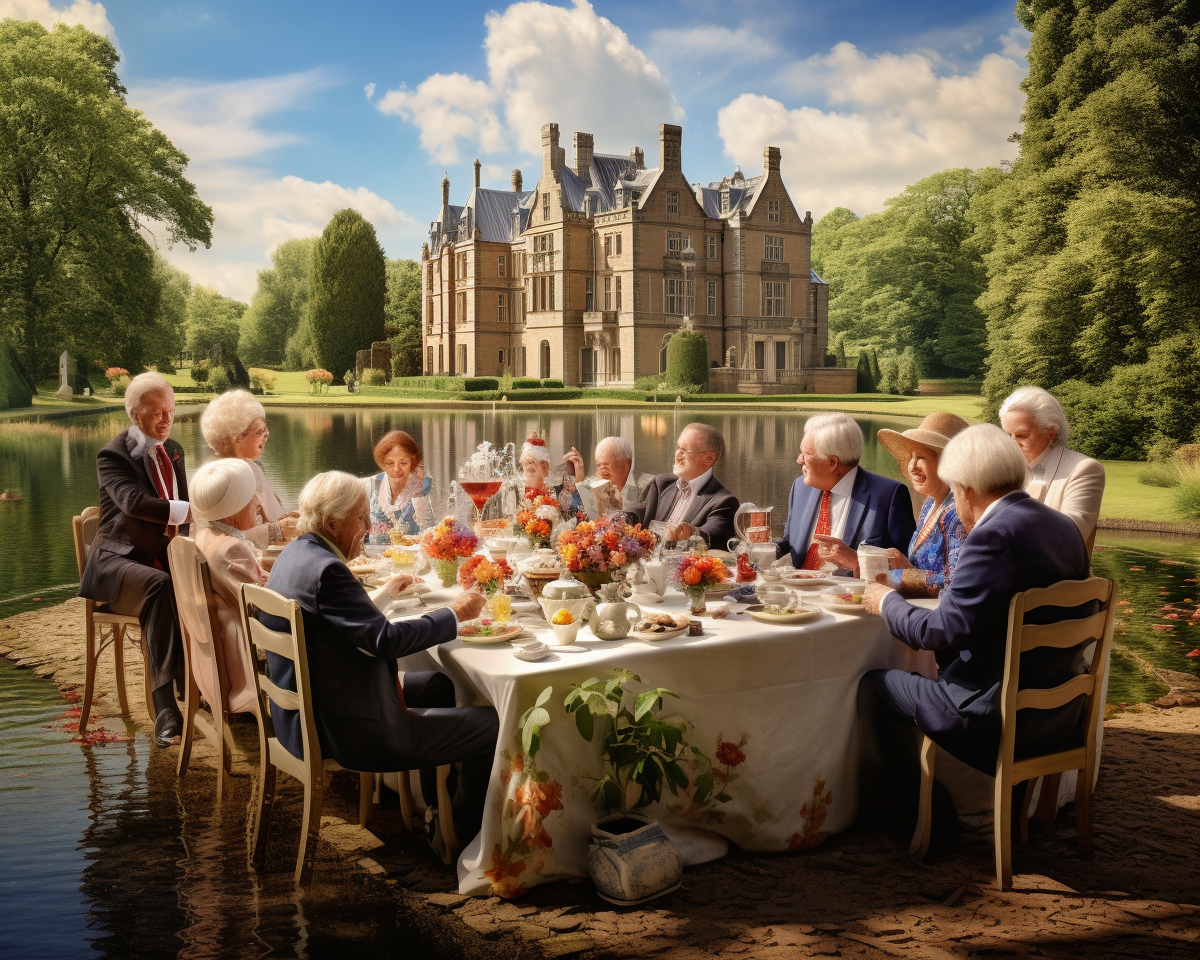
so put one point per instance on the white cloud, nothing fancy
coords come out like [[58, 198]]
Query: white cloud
[[545, 64], [91, 15], [220, 127], [369, 90], [702, 44], [893, 120], [1015, 43]]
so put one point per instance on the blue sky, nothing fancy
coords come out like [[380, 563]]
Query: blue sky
[[290, 111]]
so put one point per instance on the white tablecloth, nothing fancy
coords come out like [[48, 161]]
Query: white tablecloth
[[772, 707]]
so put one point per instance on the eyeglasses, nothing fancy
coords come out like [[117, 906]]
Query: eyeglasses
[[689, 453], [260, 432]]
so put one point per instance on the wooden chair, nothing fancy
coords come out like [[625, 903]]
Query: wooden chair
[[204, 654], [1010, 770], [118, 626]]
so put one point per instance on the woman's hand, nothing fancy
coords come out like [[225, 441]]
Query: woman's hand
[[897, 560], [287, 526], [573, 457], [835, 551]]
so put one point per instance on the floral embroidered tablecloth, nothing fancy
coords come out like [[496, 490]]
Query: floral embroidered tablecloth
[[772, 707]]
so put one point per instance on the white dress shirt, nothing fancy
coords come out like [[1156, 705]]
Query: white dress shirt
[[839, 503], [682, 504]]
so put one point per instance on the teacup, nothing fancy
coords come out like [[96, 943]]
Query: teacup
[[565, 633]]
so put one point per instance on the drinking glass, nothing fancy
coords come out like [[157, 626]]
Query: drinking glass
[[501, 607]]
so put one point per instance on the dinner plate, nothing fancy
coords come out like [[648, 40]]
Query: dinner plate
[[758, 612], [362, 569], [804, 577], [652, 637], [829, 602], [503, 633]]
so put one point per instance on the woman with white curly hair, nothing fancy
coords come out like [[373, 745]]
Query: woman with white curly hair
[[1060, 478], [235, 425]]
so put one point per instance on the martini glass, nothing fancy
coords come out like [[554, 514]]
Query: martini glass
[[481, 478]]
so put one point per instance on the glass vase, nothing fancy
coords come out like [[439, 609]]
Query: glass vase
[[447, 570], [695, 597]]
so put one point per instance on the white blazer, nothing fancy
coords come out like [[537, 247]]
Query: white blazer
[[1072, 484]]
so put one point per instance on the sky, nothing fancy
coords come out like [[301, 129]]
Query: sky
[[290, 111]]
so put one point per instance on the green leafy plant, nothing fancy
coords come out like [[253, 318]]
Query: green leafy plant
[[641, 747]]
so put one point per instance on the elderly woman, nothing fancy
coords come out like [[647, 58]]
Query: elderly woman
[[364, 718], [400, 492], [933, 550], [1060, 478], [235, 425], [224, 505], [534, 461]]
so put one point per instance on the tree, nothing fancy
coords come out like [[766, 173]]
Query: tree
[[279, 304], [890, 373], [346, 298], [908, 379], [402, 312], [866, 379], [1095, 234], [82, 177], [839, 349], [214, 325]]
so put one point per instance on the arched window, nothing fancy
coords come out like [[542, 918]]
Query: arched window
[[544, 352]]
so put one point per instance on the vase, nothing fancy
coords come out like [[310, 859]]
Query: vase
[[594, 579], [447, 570], [695, 597], [631, 860]]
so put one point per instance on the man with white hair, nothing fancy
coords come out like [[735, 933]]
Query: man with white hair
[[143, 504], [1014, 544], [836, 505], [614, 463]]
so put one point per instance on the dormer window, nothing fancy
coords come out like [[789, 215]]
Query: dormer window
[[724, 201]]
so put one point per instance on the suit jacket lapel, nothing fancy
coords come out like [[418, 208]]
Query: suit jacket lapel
[[667, 500], [808, 506], [856, 509], [699, 499]]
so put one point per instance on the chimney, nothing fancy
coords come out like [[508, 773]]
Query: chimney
[[637, 158], [583, 155], [516, 181], [551, 157], [476, 173], [771, 159], [670, 137]]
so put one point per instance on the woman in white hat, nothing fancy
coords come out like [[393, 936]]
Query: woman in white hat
[[933, 550], [535, 468], [225, 507]]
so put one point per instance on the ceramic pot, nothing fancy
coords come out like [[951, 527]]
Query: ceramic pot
[[614, 616], [631, 860], [594, 579]]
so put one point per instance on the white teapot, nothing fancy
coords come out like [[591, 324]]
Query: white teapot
[[614, 616]]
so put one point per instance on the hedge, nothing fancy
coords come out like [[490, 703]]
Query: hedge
[[552, 384], [526, 383], [542, 393], [479, 384], [687, 358]]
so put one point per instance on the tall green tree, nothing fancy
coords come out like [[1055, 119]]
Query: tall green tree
[[213, 324], [82, 177], [278, 306], [1092, 272], [402, 311], [348, 290]]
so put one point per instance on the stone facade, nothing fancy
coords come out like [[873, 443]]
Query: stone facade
[[586, 276]]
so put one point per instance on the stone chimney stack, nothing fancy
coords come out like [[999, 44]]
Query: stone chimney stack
[[670, 138], [551, 153], [638, 157], [516, 181], [476, 173], [583, 155], [771, 157]]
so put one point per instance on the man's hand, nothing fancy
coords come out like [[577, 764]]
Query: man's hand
[[573, 457], [834, 550], [680, 531], [395, 584], [873, 597], [469, 605]]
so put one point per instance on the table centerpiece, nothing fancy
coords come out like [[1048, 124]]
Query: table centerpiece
[[697, 573], [447, 545], [489, 573], [597, 551]]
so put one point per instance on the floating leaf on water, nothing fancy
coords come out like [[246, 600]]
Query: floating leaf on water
[[1194, 653], [1162, 626]]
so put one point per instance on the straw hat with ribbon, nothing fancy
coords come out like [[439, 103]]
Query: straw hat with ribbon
[[933, 434]]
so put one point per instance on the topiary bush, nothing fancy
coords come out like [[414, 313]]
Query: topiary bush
[[552, 384], [526, 383], [372, 377], [218, 380], [476, 384], [200, 372], [866, 379], [687, 359]]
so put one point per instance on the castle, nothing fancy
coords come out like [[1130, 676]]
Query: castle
[[586, 276]]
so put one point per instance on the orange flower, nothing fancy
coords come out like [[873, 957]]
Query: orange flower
[[502, 867], [691, 576]]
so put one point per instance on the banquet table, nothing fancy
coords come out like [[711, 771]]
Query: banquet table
[[773, 708]]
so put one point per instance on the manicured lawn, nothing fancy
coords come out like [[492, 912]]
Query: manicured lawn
[[52, 404], [1127, 499]]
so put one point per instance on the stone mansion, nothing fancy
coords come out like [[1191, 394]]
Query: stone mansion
[[586, 276]]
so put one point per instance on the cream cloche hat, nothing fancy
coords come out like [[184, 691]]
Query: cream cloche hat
[[221, 488]]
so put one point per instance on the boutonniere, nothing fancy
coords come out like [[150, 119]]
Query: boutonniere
[[174, 450]]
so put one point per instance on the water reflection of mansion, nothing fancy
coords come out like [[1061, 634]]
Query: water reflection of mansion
[[586, 276]]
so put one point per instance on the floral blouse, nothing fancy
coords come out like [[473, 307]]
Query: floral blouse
[[933, 551], [402, 514]]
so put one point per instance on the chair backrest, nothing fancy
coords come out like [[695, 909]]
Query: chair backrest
[[84, 528], [197, 606], [1064, 634], [290, 646]]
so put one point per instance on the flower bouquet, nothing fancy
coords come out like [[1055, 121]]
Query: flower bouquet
[[537, 516], [696, 573], [446, 545], [489, 574], [595, 549], [318, 379]]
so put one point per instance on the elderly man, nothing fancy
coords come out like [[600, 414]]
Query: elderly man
[[365, 719], [1015, 543], [614, 463], [690, 499], [143, 504], [836, 505]]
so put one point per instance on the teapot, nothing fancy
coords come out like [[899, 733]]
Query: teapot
[[614, 616], [566, 593]]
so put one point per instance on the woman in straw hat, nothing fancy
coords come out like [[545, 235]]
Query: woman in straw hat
[[933, 550]]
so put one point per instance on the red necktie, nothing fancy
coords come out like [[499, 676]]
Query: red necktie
[[811, 561], [164, 481]]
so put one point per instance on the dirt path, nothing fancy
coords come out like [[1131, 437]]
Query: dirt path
[[858, 895]]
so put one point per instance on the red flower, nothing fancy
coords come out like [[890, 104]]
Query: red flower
[[730, 754], [1194, 653]]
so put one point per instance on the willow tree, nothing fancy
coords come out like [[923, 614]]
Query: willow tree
[[84, 178], [347, 291]]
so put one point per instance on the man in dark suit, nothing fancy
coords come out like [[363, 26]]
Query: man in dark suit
[[143, 503], [1015, 544], [690, 499], [365, 720], [836, 505]]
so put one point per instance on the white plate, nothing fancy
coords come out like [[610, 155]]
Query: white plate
[[801, 579], [836, 606], [510, 632], [653, 637], [757, 612]]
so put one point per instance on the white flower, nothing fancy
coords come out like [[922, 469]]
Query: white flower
[[547, 512]]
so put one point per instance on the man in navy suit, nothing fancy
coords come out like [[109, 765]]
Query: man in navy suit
[[1015, 544], [365, 720], [861, 507], [143, 503]]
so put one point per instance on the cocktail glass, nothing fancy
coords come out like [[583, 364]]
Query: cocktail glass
[[481, 478]]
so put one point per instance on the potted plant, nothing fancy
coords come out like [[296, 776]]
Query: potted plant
[[630, 859]]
